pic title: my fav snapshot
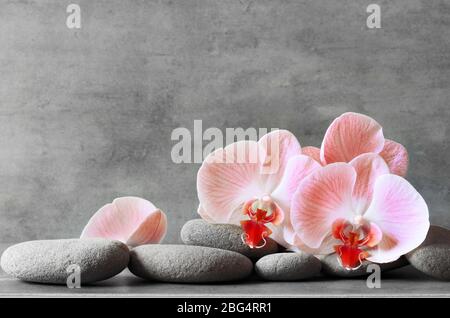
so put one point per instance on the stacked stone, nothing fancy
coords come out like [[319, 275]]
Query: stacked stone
[[211, 253], [270, 262]]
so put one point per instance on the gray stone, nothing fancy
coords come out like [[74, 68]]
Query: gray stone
[[288, 266], [47, 261], [432, 257], [188, 264], [332, 267], [224, 236]]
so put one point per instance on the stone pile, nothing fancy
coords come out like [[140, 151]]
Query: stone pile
[[211, 253]]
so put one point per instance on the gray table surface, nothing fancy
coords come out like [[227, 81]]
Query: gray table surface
[[402, 282]]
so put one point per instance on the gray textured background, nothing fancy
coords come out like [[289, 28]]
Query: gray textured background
[[86, 115]]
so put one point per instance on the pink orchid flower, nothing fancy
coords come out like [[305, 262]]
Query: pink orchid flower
[[251, 183], [131, 220], [360, 211], [351, 135]]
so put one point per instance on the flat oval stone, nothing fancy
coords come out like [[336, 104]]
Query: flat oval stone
[[288, 266], [47, 261], [432, 257], [224, 236], [332, 267], [188, 264]]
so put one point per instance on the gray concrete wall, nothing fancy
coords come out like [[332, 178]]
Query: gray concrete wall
[[86, 115]]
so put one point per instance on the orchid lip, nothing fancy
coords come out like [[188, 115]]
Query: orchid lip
[[261, 212], [355, 239], [245, 240]]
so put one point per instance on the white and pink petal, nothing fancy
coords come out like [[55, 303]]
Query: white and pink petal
[[368, 167], [227, 179], [312, 152], [396, 156], [401, 214], [349, 136], [321, 198], [132, 220], [274, 151], [297, 169]]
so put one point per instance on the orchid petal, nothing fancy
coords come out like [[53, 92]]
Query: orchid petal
[[368, 168], [402, 216], [152, 230], [374, 236], [327, 246], [350, 135], [227, 179], [323, 197], [275, 150], [297, 169], [312, 152], [287, 235], [396, 157], [132, 220], [205, 216]]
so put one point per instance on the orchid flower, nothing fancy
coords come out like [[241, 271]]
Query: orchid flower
[[351, 135], [360, 211], [131, 220], [251, 183]]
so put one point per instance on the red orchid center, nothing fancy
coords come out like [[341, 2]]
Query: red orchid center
[[261, 212], [356, 239]]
